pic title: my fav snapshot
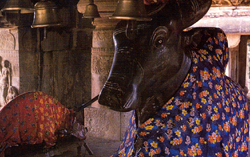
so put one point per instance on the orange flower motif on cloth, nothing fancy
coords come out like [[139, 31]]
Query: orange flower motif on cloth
[[194, 151], [215, 137], [36, 123]]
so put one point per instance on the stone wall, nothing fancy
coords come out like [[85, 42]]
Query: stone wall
[[70, 62], [57, 63], [9, 73]]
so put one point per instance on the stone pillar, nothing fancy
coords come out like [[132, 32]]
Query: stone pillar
[[102, 55], [101, 121], [238, 57], [233, 44], [102, 43], [243, 60]]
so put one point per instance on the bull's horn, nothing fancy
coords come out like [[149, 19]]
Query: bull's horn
[[189, 11]]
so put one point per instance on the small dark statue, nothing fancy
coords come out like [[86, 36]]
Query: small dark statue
[[174, 80]]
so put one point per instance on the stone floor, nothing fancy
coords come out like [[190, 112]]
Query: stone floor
[[99, 148]]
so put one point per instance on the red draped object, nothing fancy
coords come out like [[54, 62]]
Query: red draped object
[[32, 118]]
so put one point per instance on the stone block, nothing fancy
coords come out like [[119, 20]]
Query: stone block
[[103, 123]]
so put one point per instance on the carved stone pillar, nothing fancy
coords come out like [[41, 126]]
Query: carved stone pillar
[[102, 55], [9, 53], [102, 43], [107, 123], [101, 121]]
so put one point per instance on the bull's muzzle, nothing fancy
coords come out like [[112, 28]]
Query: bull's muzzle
[[119, 86]]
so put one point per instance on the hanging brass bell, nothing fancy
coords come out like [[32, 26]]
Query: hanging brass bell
[[46, 14], [91, 10], [130, 10], [15, 6]]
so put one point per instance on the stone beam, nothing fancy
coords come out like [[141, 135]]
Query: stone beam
[[230, 19]]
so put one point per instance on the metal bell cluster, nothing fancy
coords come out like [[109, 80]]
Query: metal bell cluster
[[130, 10], [91, 10], [46, 14], [22, 6]]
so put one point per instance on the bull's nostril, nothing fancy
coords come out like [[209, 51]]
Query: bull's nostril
[[110, 97], [114, 87]]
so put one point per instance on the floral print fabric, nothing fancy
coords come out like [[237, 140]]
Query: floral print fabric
[[207, 117], [32, 118]]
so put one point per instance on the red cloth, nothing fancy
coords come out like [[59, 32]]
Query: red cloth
[[32, 118]]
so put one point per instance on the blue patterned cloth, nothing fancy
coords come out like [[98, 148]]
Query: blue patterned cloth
[[207, 116]]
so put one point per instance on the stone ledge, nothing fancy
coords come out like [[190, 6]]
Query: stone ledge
[[239, 11], [229, 19]]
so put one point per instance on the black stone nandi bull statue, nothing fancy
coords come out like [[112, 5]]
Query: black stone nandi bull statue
[[174, 80]]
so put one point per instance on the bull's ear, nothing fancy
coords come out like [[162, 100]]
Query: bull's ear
[[191, 38]]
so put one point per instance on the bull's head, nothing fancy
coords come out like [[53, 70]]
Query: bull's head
[[148, 69]]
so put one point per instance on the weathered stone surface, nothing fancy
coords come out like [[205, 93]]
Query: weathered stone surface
[[71, 74], [103, 39], [233, 40], [101, 58], [103, 123], [101, 62], [234, 63], [9, 40], [55, 40], [229, 19], [82, 39]]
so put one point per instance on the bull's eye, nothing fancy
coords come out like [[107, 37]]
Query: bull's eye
[[160, 35], [158, 42]]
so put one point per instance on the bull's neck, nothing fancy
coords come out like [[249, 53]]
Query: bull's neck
[[152, 104]]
